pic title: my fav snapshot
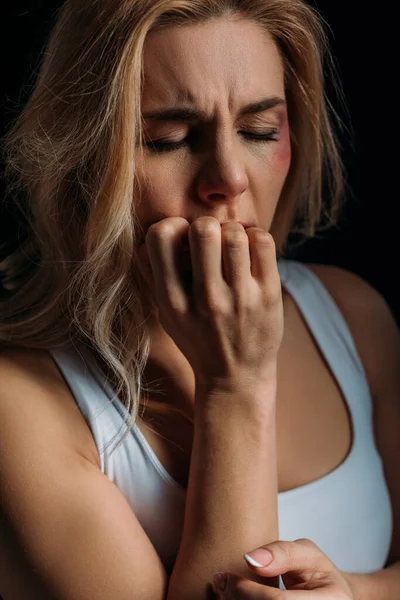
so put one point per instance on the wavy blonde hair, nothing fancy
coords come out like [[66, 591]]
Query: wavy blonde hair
[[70, 165]]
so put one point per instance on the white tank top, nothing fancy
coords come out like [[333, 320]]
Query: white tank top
[[347, 512]]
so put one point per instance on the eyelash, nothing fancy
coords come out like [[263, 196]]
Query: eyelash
[[253, 137]]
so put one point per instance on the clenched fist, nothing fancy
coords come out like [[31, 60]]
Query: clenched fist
[[220, 301]]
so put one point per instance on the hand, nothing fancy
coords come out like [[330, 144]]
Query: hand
[[228, 322], [307, 573]]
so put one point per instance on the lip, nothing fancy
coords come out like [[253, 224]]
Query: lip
[[246, 225]]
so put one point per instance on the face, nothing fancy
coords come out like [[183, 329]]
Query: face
[[212, 157]]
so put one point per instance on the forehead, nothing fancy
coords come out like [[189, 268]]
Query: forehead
[[219, 58]]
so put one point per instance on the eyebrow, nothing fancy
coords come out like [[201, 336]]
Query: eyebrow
[[188, 114]]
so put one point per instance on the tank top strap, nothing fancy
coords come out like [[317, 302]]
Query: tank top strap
[[331, 333]]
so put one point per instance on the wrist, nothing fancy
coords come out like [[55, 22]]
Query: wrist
[[257, 400], [359, 584]]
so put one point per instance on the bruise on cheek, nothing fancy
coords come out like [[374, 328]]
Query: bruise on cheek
[[282, 154]]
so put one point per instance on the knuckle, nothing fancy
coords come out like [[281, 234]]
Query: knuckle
[[205, 227], [273, 283], [305, 542], [235, 237], [233, 225], [264, 238], [159, 231], [272, 295], [176, 306], [213, 306], [260, 234], [287, 550], [315, 578], [172, 303], [317, 575]]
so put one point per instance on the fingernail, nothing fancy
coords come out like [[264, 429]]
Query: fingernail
[[220, 580], [259, 557]]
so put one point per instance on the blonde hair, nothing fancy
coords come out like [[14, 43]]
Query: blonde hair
[[70, 165]]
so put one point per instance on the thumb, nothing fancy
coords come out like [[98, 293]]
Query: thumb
[[300, 559]]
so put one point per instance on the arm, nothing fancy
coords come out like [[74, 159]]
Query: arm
[[381, 585], [232, 490], [378, 346], [66, 531]]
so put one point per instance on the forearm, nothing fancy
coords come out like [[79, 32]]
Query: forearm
[[381, 585], [232, 493]]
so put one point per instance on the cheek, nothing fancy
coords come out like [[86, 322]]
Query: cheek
[[282, 154], [159, 195]]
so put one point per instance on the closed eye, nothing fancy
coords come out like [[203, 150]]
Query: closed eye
[[162, 146]]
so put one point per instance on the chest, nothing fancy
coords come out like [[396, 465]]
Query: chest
[[314, 431]]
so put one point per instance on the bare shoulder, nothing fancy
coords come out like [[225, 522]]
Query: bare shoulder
[[370, 320], [32, 387], [35, 365], [377, 338], [347, 287], [66, 530]]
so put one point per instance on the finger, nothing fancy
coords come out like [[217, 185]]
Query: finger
[[205, 249], [241, 588], [162, 241], [301, 559], [263, 257], [236, 257]]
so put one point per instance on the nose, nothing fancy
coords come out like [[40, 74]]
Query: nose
[[223, 177]]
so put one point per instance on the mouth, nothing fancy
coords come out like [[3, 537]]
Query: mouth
[[185, 248], [247, 225]]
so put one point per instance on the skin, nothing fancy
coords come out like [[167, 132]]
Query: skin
[[230, 169], [222, 66]]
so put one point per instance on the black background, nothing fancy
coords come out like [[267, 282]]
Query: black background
[[363, 42], [363, 47]]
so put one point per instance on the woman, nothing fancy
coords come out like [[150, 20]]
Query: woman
[[168, 150]]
